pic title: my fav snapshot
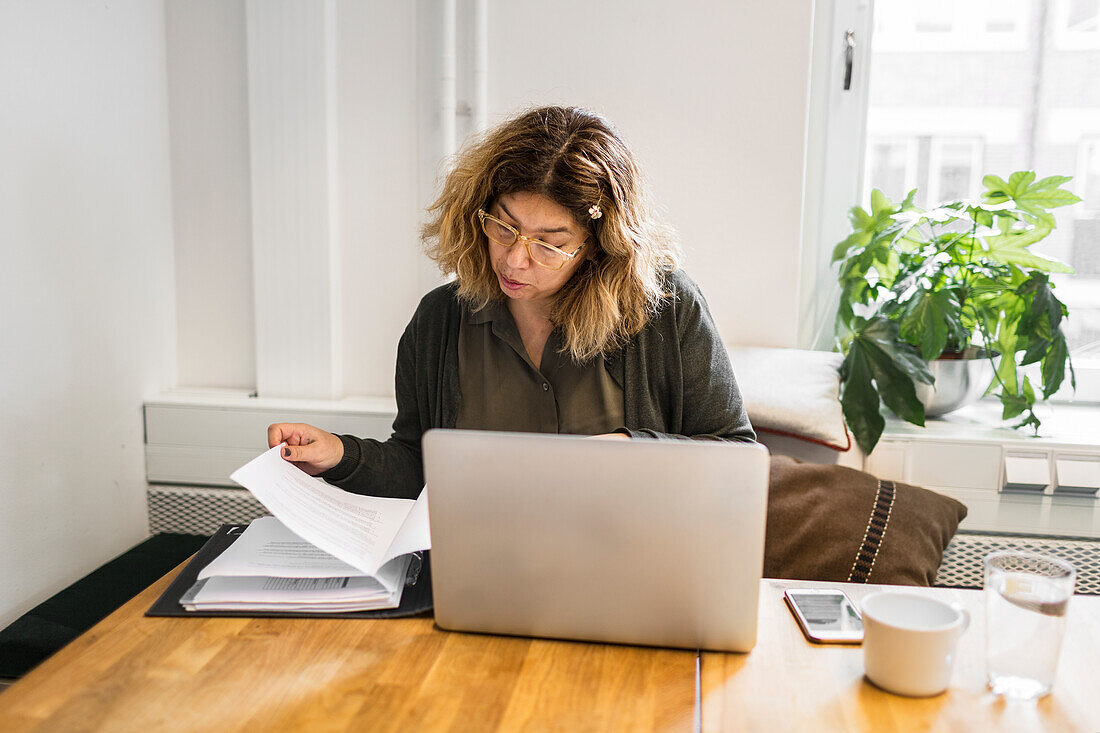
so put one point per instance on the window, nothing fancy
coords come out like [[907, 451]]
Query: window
[[940, 168], [1088, 176], [954, 168], [891, 165], [1023, 96], [945, 25], [1081, 291], [1077, 24]]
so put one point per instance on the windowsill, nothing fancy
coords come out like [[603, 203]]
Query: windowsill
[[198, 437], [243, 399], [965, 455], [1064, 425]]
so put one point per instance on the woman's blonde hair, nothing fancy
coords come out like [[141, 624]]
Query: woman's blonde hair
[[575, 158]]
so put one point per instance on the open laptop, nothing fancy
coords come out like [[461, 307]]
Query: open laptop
[[635, 542]]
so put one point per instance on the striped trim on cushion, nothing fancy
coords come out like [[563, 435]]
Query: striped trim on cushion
[[874, 534]]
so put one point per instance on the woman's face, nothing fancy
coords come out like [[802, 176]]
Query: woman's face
[[535, 216]]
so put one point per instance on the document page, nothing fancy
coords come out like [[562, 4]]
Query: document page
[[267, 547], [359, 530]]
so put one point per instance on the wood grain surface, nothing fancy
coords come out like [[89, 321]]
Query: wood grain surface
[[789, 684], [131, 673]]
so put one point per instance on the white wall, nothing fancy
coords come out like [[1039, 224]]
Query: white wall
[[208, 108], [380, 206], [713, 97], [86, 288], [379, 187]]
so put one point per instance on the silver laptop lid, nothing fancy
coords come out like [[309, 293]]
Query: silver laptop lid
[[638, 542]]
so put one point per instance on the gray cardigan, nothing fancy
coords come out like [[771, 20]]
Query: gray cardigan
[[676, 378]]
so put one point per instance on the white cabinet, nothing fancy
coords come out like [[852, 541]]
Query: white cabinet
[[1011, 481]]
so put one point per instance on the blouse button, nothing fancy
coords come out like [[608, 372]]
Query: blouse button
[[545, 387]]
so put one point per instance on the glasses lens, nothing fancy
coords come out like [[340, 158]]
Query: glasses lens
[[547, 256], [497, 232]]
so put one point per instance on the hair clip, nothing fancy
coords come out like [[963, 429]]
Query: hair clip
[[594, 211]]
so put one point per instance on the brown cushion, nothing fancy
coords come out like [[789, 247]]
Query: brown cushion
[[833, 523]]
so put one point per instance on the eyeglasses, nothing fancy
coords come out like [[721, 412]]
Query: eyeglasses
[[541, 253]]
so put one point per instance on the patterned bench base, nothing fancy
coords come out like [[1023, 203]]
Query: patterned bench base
[[962, 561], [195, 510]]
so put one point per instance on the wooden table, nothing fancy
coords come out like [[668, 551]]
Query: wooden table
[[132, 673], [786, 683]]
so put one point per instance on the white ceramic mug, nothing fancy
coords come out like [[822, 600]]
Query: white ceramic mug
[[909, 641]]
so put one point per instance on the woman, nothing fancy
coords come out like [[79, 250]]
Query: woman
[[567, 314]]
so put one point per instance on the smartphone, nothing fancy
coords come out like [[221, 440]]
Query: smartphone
[[826, 615]]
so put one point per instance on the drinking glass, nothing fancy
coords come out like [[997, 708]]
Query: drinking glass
[[1026, 596]]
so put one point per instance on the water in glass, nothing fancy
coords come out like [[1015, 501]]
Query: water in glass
[[1026, 603]]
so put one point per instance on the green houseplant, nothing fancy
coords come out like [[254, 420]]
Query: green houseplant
[[920, 284]]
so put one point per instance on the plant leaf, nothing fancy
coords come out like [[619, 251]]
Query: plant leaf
[[1011, 405], [1037, 348], [1016, 403], [1005, 345], [1032, 198], [1022, 237], [1011, 249], [1051, 182], [854, 240], [1044, 313], [1054, 365], [858, 217], [1019, 182], [893, 365], [860, 401], [883, 334], [880, 204], [1048, 198], [960, 273], [930, 320], [1031, 419], [875, 353], [996, 188], [895, 387]]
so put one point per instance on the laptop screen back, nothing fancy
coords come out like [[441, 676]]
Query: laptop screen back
[[638, 542]]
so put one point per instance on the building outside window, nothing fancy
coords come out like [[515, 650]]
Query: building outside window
[[1077, 24], [891, 164], [959, 90]]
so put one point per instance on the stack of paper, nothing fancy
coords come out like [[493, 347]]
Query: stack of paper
[[269, 568], [324, 550]]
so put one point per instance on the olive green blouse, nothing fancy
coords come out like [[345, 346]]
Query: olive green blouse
[[675, 377], [502, 389]]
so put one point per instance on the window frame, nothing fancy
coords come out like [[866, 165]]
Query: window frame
[[1066, 39], [935, 163], [1087, 146], [912, 161], [965, 33], [1087, 368]]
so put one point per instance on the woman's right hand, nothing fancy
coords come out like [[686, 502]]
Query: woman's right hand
[[311, 449]]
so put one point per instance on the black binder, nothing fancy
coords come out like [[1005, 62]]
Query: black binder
[[416, 598]]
